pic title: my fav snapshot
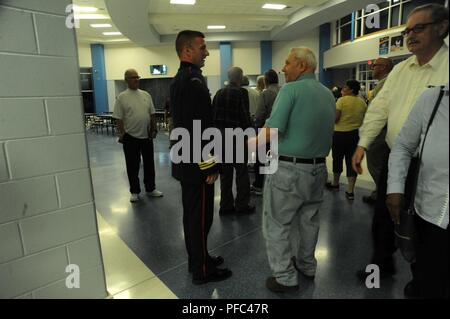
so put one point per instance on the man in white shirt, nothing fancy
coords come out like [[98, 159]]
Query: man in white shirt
[[136, 124], [431, 197], [426, 29]]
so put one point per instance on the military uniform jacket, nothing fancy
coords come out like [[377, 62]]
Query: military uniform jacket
[[190, 100]]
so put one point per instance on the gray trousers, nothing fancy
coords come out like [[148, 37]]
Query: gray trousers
[[294, 192]]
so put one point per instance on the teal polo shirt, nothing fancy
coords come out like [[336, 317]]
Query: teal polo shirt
[[304, 113]]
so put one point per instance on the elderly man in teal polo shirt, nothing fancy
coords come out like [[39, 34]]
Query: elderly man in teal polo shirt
[[304, 114]]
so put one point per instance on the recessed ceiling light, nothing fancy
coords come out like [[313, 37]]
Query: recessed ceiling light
[[191, 2], [273, 6], [84, 9], [112, 33], [216, 27], [100, 25], [89, 16]]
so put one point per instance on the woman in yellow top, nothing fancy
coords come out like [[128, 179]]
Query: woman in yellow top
[[350, 111]]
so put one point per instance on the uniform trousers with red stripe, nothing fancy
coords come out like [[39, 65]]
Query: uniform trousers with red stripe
[[198, 211]]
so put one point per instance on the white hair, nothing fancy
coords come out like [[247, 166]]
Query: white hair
[[305, 54]]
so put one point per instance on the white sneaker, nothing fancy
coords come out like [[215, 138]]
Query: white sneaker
[[155, 193], [134, 198]]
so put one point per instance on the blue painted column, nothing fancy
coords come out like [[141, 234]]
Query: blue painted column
[[324, 45], [99, 78], [353, 26], [225, 61], [266, 56]]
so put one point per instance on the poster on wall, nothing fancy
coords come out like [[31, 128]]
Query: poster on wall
[[384, 45], [397, 43]]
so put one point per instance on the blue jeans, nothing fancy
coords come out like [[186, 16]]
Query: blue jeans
[[295, 190]]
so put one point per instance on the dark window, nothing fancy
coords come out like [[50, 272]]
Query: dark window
[[395, 16], [346, 19], [358, 28], [346, 32]]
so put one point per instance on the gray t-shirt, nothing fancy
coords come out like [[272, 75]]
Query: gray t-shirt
[[134, 108]]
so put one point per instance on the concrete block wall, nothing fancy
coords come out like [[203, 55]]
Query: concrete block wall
[[47, 213]]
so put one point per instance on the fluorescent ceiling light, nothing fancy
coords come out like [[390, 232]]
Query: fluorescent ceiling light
[[112, 33], [216, 27], [84, 9], [91, 16], [99, 25], [274, 6], [191, 2]]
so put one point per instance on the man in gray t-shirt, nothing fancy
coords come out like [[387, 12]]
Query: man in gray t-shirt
[[136, 124]]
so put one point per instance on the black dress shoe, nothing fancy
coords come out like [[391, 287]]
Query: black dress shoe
[[217, 275], [225, 212], [273, 285], [411, 290], [215, 261], [246, 210], [369, 200]]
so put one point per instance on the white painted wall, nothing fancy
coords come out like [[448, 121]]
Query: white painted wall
[[280, 49], [47, 212], [360, 50], [247, 55], [84, 55], [118, 58]]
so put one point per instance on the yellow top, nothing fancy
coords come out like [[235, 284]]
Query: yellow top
[[352, 110]]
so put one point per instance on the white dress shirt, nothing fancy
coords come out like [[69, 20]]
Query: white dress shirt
[[407, 81], [431, 200]]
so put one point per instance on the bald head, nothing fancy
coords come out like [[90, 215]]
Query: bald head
[[235, 75], [381, 68], [132, 78]]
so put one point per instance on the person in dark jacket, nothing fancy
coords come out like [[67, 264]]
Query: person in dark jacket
[[231, 111], [191, 106]]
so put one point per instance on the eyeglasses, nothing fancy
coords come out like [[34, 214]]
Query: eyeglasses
[[418, 28]]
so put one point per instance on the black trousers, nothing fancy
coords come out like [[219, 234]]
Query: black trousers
[[198, 212], [382, 225], [227, 201], [259, 178], [134, 148], [344, 145], [432, 264]]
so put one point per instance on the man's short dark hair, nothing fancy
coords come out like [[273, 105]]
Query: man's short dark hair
[[438, 12], [354, 86], [271, 77], [185, 38]]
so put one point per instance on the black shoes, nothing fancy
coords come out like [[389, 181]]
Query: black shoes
[[350, 196], [411, 290], [246, 210], [249, 209], [215, 261], [332, 187], [309, 277], [218, 275], [273, 285], [226, 212], [369, 200]]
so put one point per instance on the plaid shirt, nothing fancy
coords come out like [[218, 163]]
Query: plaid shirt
[[231, 108]]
